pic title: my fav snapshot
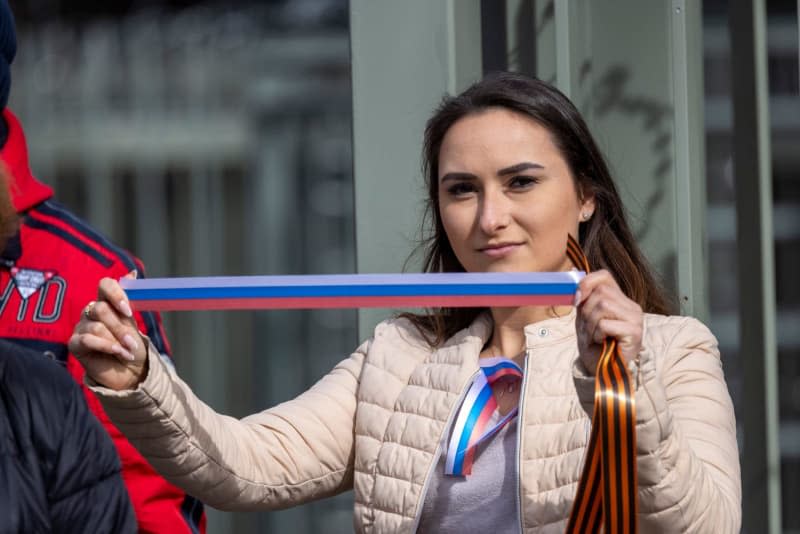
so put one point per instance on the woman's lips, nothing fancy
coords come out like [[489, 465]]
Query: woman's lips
[[498, 251]]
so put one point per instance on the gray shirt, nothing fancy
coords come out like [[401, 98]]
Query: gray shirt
[[486, 500]]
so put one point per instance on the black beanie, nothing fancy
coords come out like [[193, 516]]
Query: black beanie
[[8, 48]]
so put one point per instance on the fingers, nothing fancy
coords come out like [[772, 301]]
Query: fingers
[[101, 321], [593, 281], [111, 292], [623, 331], [107, 326], [605, 311], [608, 304], [86, 344], [122, 329], [116, 338]]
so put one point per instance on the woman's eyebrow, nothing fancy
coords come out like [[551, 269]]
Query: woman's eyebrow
[[457, 176], [519, 167]]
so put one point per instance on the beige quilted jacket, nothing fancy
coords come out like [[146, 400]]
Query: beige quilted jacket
[[376, 423]]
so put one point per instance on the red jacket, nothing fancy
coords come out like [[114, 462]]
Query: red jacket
[[49, 271]]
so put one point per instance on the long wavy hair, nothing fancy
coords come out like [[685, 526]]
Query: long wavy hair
[[606, 237]]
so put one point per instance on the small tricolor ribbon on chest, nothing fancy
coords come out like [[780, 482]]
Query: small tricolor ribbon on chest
[[472, 422]]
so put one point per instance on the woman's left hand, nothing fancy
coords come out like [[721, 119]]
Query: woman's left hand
[[604, 311]]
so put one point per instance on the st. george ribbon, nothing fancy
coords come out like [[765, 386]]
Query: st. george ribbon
[[427, 290]]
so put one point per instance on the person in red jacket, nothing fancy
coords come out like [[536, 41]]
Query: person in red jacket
[[49, 270]]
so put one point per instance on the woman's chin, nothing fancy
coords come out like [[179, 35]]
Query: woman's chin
[[508, 267]]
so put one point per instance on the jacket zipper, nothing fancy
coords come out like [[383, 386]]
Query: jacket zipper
[[519, 437], [437, 453]]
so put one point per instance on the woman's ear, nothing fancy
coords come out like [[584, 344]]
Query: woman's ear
[[587, 204]]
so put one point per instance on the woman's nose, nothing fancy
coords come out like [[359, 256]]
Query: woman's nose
[[494, 213]]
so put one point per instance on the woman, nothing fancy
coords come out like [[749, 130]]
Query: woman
[[512, 170]]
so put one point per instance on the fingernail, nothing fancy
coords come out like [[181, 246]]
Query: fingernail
[[133, 274], [130, 342], [118, 349], [125, 308], [577, 297]]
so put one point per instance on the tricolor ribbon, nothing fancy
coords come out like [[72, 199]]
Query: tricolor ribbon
[[472, 423], [354, 291], [607, 493]]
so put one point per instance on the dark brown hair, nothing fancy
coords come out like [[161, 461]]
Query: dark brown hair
[[606, 237]]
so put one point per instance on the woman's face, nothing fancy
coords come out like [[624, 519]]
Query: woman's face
[[507, 198]]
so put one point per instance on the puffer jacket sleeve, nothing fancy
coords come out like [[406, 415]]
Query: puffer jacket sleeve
[[688, 463], [296, 452], [85, 492]]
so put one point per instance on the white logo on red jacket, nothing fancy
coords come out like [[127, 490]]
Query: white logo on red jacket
[[28, 281]]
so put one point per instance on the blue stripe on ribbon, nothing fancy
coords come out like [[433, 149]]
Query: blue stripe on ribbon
[[477, 408], [351, 291], [489, 371]]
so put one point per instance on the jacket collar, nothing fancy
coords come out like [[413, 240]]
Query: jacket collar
[[538, 334], [549, 331], [26, 190]]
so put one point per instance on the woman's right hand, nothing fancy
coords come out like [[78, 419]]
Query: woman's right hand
[[107, 342]]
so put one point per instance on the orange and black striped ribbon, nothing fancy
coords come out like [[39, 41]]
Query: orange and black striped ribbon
[[607, 492]]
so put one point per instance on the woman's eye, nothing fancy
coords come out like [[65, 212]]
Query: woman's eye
[[461, 188], [523, 182]]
